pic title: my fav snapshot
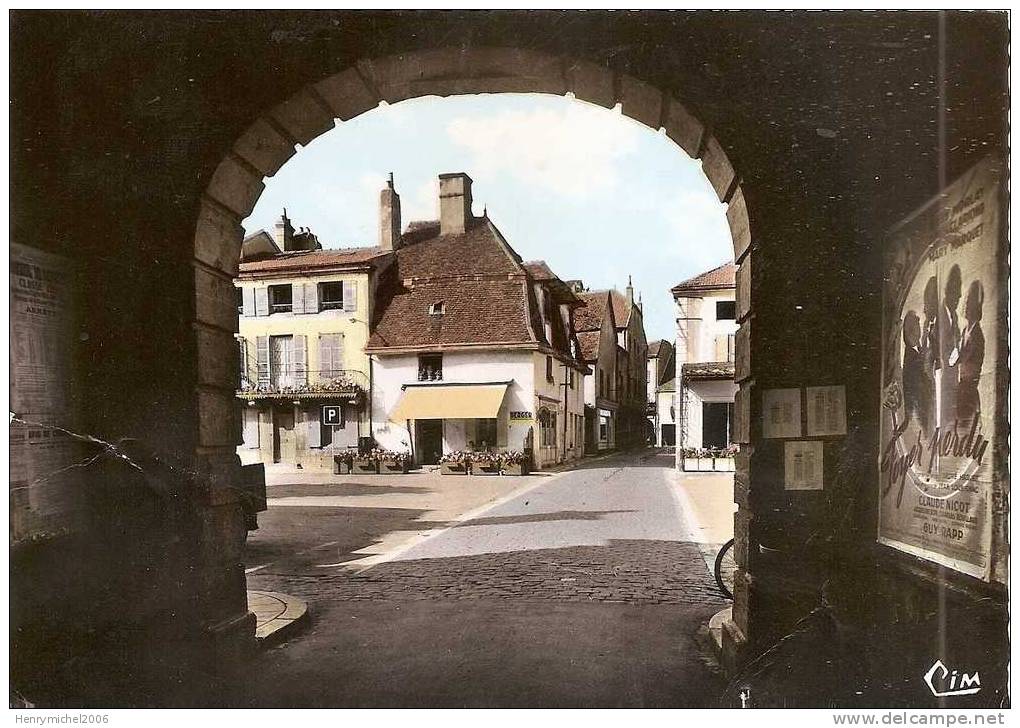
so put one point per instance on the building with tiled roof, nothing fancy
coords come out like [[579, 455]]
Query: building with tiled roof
[[719, 278], [661, 392], [706, 332], [459, 315], [304, 318], [611, 330]]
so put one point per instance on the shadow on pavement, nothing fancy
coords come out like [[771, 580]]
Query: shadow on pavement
[[539, 517]]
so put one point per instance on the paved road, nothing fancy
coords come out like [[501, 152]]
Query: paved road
[[583, 591]]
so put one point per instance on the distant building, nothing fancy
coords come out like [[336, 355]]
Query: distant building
[[631, 369], [661, 395], [473, 349], [303, 324], [596, 334], [706, 327]]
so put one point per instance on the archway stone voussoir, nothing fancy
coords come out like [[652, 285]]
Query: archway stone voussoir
[[683, 128], [592, 83], [304, 116], [717, 168], [218, 237], [236, 186], [641, 102], [264, 147], [740, 225]]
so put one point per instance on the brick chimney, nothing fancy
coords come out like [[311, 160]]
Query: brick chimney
[[389, 217], [283, 232], [454, 203]]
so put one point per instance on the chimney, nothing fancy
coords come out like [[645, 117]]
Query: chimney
[[283, 232], [389, 217], [454, 203]]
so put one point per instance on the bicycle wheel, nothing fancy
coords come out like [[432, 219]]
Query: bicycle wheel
[[725, 567]]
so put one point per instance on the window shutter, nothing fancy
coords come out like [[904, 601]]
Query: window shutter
[[243, 362], [297, 298], [262, 354], [311, 298], [350, 296], [299, 360], [248, 301], [262, 301], [325, 355], [338, 352], [313, 420]]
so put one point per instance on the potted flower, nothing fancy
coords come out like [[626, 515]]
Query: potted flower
[[485, 463], [514, 462], [394, 462], [366, 462], [454, 463]]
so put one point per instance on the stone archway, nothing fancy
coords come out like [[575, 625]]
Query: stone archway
[[237, 183]]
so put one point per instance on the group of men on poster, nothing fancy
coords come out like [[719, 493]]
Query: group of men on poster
[[943, 357]]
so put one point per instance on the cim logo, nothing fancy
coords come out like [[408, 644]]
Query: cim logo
[[939, 677]]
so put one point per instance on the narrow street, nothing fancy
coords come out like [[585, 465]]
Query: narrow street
[[576, 589]]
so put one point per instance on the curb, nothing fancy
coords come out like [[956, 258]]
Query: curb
[[278, 616]]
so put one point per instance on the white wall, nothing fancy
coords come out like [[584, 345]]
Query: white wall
[[708, 334], [392, 371]]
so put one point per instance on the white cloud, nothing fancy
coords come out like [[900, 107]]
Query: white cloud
[[575, 151]]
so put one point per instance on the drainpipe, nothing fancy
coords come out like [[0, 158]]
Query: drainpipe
[[566, 408]]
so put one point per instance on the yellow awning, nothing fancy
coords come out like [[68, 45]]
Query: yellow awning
[[449, 402]]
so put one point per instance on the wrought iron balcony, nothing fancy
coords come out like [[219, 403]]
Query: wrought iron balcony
[[290, 383]]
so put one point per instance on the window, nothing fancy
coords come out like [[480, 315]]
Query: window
[[547, 426], [430, 367], [281, 299], [482, 434], [603, 426], [437, 309], [717, 424], [281, 356], [331, 296], [725, 310], [549, 374]]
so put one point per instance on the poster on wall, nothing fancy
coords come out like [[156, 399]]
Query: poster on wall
[[44, 486], [940, 330]]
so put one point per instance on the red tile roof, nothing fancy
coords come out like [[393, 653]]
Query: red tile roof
[[589, 317], [724, 276], [709, 370], [484, 286], [653, 348], [540, 270], [589, 342], [311, 259], [621, 308], [478, 251], [476, 312]]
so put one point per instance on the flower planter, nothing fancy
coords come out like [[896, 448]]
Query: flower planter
[[395, 466], [484, 467], [516, 469], [453, 469], [365, 466], [341, 466]]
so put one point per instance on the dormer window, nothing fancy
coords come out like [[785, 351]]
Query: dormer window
[[438, 308]]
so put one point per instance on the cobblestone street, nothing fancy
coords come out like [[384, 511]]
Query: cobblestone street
[[577, 589]]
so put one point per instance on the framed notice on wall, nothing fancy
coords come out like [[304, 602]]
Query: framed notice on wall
[[941, 326]]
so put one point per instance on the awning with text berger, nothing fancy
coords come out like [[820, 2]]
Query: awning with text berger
[[449, 402]]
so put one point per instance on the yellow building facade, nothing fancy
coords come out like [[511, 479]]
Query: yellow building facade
[[303, 323]]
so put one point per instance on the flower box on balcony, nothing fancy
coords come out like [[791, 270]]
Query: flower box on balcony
[[365, 465], [453, 468]]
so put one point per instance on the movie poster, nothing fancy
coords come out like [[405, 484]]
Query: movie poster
[[940, 338]]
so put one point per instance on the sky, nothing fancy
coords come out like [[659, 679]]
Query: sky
[[595, 194]]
